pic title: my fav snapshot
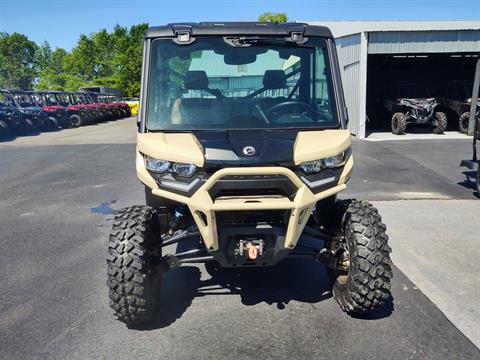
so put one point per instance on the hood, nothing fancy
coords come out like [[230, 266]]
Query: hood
[[212, 149], [418, 101], [32, 110], [51, 108], [247, 147], [469, 101], [7, 109]]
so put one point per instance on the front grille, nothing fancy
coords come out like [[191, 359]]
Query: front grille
[[253, 185], [252, 217]]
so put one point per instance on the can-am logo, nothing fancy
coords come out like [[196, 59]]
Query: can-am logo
[[249, 150]]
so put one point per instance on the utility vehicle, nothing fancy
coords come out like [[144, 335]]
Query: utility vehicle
[[55, 112], [456, 96], [243, 145], [8, 114], [412, 105], [30, 110], [79, 114]]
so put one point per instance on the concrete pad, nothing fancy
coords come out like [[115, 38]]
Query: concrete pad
[[436, 244], [388, 136]]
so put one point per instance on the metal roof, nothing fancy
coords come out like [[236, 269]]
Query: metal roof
[[341, 28]]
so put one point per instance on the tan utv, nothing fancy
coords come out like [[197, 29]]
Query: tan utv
[[243, 144]]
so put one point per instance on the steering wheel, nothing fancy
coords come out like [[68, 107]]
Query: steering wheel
[[275, 111]]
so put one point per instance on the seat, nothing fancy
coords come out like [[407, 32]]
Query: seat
[[197, 110]]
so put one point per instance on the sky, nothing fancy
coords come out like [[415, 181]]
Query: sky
[[60, 22]]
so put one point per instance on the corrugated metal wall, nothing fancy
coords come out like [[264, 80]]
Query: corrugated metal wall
[[400, 42], [348, 49]]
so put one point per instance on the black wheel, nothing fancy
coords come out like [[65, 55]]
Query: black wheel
[[75, 120], [361, 283], [51, 124], [463, 122], [27, 127], [4, 131], [399, 123], [132, 252], [440, 123]]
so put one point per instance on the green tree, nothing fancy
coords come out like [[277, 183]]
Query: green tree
[[17, 61], [128, 60], [51, 68], [273, 17]]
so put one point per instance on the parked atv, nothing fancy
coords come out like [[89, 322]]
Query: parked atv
[[54, 111], [245, 166], [7, 113], [457, 98], [78, 114], [23, 120], [415, 107]]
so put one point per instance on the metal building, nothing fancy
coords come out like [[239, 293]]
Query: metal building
[[358, 42]]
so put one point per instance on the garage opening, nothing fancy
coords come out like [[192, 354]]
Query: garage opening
[[446, 77]]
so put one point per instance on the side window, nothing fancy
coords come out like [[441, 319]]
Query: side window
[[322, 91]]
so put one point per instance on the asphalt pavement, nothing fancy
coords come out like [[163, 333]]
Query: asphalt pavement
[[58, 194]]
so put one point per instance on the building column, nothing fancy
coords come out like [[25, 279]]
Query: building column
[[362, 93]]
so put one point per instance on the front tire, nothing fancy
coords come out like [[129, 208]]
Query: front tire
[[132, 280], [440, 123], [365, 285], [75, 121], [463, 122], [51, 124], [4, 131], [399, 123]]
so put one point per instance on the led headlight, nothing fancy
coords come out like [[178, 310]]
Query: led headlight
[[185, 170], [315, 166], [163, 166], [155, 165]]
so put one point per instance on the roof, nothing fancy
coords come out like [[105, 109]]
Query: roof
[[341, 28], [237, 28]]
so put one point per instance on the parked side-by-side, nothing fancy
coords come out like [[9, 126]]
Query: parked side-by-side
[[25, 112]]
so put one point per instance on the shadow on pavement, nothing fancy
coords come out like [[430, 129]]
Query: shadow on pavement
[[469, 182], [292, 279]]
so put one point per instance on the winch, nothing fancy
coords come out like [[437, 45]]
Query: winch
[[251, 248]]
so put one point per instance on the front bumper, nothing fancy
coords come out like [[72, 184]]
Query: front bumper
[[204, 208]]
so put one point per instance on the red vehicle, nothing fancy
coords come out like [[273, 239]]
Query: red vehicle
[[83, 114], [125, 110], [117, 108], [95, 107], [102, 108], [56, 112]]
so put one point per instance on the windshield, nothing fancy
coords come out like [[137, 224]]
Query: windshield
[[210, 85], [24, 99], [62, 99], [38, 99], [50, 99]]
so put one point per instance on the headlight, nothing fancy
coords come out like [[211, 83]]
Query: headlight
[[311, 167], [158, 166], [163, 166], [185, 170]]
